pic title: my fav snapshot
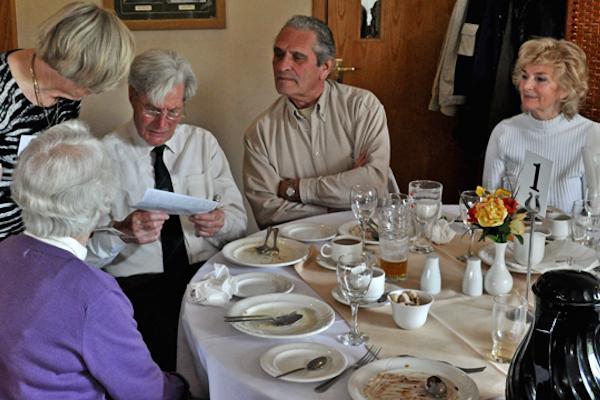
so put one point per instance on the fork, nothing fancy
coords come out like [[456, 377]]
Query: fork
[[463, 369], [285, 319], [370, 355], [264, 248]]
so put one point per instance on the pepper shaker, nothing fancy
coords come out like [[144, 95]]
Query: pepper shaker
[[431, 280], [472, 284]]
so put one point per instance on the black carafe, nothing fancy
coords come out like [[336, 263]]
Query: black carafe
[[559, 357]]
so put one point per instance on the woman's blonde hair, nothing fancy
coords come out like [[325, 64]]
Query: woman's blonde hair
[[87, 44], [570, 68]]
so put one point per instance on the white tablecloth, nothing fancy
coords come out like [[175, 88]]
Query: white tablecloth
[[223, 363]]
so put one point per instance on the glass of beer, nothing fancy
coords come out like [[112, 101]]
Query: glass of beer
[[394, 220], [509, 323]]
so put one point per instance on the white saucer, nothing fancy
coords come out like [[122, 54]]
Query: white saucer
[[256, 283], [366, 303], [325, 263], [287, 357]]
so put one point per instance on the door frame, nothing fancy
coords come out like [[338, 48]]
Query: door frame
[[8, 16], [319, 9]]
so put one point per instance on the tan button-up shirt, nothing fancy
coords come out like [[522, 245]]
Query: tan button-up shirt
[[281, 143]]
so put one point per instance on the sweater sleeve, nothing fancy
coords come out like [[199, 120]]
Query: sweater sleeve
[[118, 358], [493, 168]]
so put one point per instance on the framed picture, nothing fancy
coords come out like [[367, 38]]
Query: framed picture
[[169, 14]]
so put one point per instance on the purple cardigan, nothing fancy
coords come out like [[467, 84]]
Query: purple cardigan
[[67, 331]]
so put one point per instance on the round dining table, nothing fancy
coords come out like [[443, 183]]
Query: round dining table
[[221, 362]]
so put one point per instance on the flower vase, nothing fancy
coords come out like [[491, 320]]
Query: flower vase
[[498, 279]]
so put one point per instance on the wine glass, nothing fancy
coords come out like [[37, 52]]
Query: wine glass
[[425, 201], [467, 200], [354, 275], [363, 201]]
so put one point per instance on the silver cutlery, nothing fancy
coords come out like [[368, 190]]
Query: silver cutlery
[[471, 370], [265, 248], [436, 387], [312, 365], [370, 355], [280, 320]]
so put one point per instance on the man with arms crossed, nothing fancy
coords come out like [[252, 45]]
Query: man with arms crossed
[[306, 151]]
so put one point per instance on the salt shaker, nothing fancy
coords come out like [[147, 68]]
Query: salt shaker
[[431, 280], [472, 284]]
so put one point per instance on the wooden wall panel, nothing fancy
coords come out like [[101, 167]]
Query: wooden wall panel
[[8, 25]]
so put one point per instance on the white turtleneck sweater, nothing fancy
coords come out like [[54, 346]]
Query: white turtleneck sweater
[[559, 139]]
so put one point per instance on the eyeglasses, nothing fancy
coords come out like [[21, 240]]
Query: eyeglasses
[[172, 115]]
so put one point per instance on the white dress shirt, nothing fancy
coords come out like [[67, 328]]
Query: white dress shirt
[[63, 242], [198, 167]]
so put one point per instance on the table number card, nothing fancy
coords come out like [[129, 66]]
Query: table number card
[[534, 181]]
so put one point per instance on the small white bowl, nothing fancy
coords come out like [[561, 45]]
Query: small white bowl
[[409, 316]]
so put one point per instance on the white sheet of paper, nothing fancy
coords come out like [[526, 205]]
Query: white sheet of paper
[[24, 142], [534, 180], [174, 203]]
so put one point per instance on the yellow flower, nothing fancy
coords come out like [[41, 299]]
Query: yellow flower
[[502, 193], [481, 191], [517, 226], [490, 212]]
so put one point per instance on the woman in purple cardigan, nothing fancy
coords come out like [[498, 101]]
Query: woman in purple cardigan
[[67, 329]]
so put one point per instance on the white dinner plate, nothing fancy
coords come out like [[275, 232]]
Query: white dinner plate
[[352, 228], [326, 263], [456, 380], [317, 316], [257, 283], [308, 231], [290, 356], [243, 252], [556, 255], [339, 297]]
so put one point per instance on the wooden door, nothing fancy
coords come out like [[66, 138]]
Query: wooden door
[[399, 67], [8, 25]]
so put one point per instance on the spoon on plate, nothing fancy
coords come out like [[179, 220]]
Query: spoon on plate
[[312, 365], [436, 387]]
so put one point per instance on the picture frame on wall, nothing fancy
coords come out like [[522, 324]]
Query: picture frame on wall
[[169, 14]]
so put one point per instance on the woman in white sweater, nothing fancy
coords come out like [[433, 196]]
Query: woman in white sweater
[[552, 78]]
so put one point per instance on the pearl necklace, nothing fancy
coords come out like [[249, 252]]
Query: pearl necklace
[[36, 92]]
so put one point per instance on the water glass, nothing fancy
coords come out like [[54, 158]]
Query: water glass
[[363, 202], [425, 202], [509, 322], [354, 274], [393, 236]]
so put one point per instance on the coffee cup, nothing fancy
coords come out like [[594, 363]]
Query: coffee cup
[[521, 251], [377, 286], [560, 226], [341, 245]]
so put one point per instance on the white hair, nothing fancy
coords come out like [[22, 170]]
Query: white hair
[[64, 181]]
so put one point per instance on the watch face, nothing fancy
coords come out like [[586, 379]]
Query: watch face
[[290, 191]]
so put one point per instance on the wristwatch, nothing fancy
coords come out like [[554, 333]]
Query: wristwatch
[[290, 191]]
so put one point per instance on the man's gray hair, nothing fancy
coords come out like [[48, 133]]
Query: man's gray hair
[[155, 72], [64, 181], [325, 47]]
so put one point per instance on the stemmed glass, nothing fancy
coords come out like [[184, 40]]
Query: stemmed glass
[[468, 199], [354, 275], [425, 202], [363, 200]]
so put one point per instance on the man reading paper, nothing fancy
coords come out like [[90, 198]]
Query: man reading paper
[[157, 254]]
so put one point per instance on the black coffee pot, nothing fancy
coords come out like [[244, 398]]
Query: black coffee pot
[[560, 355]]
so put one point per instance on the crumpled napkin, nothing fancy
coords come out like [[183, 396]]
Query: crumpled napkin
[[441, 233], [215, 289]]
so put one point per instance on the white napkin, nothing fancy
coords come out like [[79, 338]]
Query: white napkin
[[441, 233], [215, 289]]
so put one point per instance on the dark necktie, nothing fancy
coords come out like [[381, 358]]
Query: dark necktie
[[171, 235]]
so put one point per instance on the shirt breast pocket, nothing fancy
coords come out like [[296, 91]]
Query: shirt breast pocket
[[199, 185]]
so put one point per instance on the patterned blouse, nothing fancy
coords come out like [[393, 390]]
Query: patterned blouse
[[18, 117]]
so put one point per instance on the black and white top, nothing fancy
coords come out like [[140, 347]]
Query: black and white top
[[19, 117]]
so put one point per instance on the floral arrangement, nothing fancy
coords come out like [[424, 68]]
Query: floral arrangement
[[498, 215]]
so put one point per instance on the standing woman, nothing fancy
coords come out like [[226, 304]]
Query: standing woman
[[81, 49], [552, 78]]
